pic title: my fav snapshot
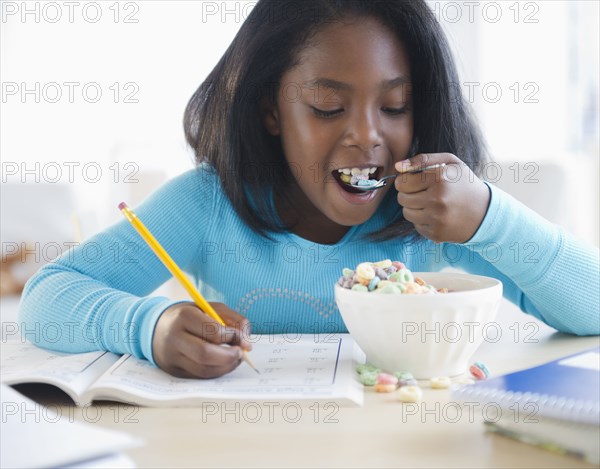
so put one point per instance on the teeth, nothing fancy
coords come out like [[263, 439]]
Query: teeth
[[357, 171]]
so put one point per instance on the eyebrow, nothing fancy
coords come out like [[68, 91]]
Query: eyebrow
[[341, 86]]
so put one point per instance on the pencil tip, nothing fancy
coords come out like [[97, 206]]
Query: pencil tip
[[256, 369]]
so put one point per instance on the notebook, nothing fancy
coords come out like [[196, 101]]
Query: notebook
[[309, 368], [555, 405]]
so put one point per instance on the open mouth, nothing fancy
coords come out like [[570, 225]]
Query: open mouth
[[347, 176]]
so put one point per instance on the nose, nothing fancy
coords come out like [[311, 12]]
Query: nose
[[364, 131]]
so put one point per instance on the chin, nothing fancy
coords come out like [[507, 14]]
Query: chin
[[352, 219]]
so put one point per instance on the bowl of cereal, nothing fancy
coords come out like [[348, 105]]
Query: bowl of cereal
[[428, 323]]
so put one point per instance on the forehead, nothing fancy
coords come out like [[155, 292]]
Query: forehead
[[360, 49]]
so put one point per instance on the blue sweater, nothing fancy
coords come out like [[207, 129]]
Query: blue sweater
[[95, 297]]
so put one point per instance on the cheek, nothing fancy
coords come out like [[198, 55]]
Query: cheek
[[304, 139], [399, 138]]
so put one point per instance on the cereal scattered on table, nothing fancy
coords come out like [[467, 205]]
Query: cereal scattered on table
[[440, 382], [410, 394], [479, 371]]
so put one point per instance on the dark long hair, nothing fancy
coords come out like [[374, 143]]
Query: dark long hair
[[224, 123]]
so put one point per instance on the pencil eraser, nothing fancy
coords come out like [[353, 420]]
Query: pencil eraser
[[122, 205]]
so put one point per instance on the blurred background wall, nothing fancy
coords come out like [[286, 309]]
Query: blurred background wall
[[93, 95]]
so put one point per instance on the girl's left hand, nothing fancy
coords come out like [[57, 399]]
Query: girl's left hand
[[445, 204]]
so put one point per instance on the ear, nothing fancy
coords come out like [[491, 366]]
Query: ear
[[271, 119]]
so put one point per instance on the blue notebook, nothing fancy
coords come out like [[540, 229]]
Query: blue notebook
[[566, 389]]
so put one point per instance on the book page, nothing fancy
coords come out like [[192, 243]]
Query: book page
[[588, 360], [24, 362], [290, 368]]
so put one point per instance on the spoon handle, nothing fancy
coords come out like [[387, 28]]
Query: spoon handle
[[415, 171], [425, 168]]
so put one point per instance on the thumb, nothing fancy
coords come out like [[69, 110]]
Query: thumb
[[424, 160]]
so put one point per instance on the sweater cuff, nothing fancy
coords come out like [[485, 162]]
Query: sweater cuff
[[485, 231], [148, 325]]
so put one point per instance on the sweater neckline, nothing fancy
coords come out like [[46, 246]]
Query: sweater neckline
[[306, 242]]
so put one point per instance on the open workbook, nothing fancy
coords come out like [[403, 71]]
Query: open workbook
[[313, 368]]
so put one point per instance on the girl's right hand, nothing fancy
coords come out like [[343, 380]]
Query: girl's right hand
[[188, 343]]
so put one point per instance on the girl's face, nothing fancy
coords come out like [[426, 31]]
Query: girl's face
[[346, 105]]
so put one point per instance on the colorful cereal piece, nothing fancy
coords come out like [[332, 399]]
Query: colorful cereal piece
[[366, 182], [420, 281], [403, 375], [479, 370], [377, 276], [348, 273], [407, 382], [365, 270], [387, 289], [368, 378], [440, 382], [384, 283], [366, 367], [411, 288], [410, 394], [476, 372], [359, 287], [386, 378], [382, 274], [383, 264], [382, 387], [373, 283], [405, 276], [483, 368], [394, 277]]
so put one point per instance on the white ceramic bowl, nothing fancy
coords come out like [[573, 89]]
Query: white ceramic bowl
[[428, 335]]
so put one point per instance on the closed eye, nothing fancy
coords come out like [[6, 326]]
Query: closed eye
[[326, 114], [395, 111]]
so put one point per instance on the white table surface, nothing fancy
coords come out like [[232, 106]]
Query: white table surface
[[379, 434]]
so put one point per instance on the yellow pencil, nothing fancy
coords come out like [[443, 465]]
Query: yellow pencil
[[175, 270]]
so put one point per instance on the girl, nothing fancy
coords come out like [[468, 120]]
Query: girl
[[309, 90]]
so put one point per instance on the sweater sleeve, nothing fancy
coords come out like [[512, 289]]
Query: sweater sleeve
[[545, 271], [95, 296]]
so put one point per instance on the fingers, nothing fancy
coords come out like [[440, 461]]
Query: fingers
[[206, 360], [414, 201], [445, 204], [189, 343], [197, 323], [237, 321], [423, 160], [415, 182], [417, 217]]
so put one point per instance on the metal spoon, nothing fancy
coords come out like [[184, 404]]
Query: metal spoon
[[383, 181]]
